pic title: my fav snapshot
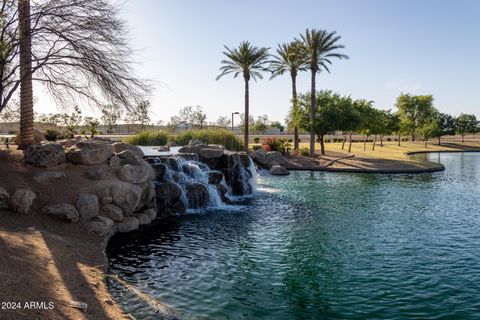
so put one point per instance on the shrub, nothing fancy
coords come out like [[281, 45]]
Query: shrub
[[210, 136], [256, 140], [275, 144], [148, 138], [52, 135], [327, 140], [389, 139], [304, 151], [256, 147]]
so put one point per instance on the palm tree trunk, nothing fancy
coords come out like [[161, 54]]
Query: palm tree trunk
[[247, 116], [350, 143], [313, 103], [26, 94], [295, 111]]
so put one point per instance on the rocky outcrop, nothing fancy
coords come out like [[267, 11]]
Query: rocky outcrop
[[62, 211], [113, 212], [277, 170], [47, 154], [120, 146], [67, 143], [215, 177], [22, 200], [89, 152], [197, 195], [87, 206], [268, 159]]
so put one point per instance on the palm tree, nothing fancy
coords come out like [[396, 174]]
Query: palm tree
[[249, 61], [290, 58], [319, 47], [26, 95]]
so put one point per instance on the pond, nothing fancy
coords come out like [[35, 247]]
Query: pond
[[319, 245]]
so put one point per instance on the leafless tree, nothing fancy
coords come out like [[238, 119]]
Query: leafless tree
[[79, 50]]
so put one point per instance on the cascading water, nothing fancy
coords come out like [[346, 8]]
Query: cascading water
[[184, 183]]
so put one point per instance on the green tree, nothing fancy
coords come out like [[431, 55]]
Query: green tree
[[110, 115], [319, 48], [466, 123], [91, 126], [367, 119], [250, 62], [290, 58], [414, 112], [430, 129], [261, 124], [71, 121], [277, 124], [446, 123], [198, 117], [325, 114], [223, 122]]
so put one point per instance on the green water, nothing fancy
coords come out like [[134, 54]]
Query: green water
[[319, 246]]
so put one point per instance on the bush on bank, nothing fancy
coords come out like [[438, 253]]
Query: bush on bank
[[149, 138]]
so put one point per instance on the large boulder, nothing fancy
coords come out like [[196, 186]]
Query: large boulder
[[100, 225], [62, 211], [210, 153], [277, 170], [169, 197], [128, 224], [21, 200], [87, 206], [121, 146], [45, 155], [67, 143], [4, 198], [89, 152], [160, 170], [38, 137], [268, 159], [197, 195], [215, 177], [113, 212], [49, 177], [126, 196], [143, 219], [136, 174]]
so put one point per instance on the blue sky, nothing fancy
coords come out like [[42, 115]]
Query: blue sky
[[419, 47]]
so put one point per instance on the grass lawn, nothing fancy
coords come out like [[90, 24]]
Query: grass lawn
[[391, 150]]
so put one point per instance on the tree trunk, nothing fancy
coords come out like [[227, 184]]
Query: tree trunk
[[344, 140], [364, 142], [439, 141], [313, 104], [381, 141], [426, 141], [374, 142], [295, 110], [322, 145], [463, 136], [413, 135], [350, 143], [247, 115], [26, 93], [399, 138]]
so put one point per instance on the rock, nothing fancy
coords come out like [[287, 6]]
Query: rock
[[98, 173], [151, 213], [101, 139], [279, 171], [179, 207], [276, 157], [136, 174], [163, 148], [240, 188], [49, 176], [210, 153], [128, 224], [45, 155], [121, 146], [100, 225], [113, 212], [195, 142], [189, 149], [197, 195], [62, 211], [21, 200], [129, 157], [143, 219], [114, 161], [126, 196], [215, 177], [160, 170], [106, 200], [168, 192], [89, 152], [87, 206], [148, 195], [67, 143], [4, 198]]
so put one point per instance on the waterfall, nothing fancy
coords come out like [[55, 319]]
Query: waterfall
[[183, 182]]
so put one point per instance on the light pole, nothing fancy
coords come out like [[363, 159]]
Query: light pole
[[232, 118]]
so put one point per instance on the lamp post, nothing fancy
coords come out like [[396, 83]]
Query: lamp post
[[232, 118]]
